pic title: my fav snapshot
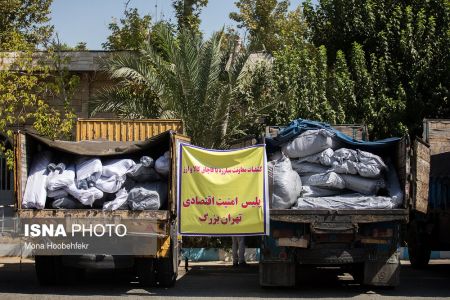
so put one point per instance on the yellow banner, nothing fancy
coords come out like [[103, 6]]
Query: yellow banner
[[222, 193]]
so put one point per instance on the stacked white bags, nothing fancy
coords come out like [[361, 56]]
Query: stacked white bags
[[87, 180], [35, 191], [340, 177], [285, 182]]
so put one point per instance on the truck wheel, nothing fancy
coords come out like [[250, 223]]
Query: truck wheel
[[419, 255], [166, 277], [357, 272], [47, 269], [145, 270], [418, 249]]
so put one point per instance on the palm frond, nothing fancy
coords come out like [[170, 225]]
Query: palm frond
[[130, 67], [126, 102], [183, 77]]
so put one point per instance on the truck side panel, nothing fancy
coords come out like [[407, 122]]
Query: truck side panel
[[20, 168], [437, 134], [421, 176]]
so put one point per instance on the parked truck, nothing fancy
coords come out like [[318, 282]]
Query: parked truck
[[364, 242], [108, 138], [430, 230]]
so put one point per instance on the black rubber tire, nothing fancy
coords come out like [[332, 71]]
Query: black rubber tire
[[357, 272], [419, 249], [419, 255], [48, 269], [166, 277], [145, 271]]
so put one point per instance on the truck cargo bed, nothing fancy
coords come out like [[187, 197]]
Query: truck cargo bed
[[153, 215], [344, 215]]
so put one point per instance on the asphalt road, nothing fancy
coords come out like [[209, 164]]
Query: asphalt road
[[221, 281]]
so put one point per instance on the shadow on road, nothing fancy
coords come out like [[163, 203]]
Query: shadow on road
[[226, 281]]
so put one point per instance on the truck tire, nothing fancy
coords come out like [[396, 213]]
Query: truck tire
[[357, 272], [419, 255], [48, 269], [418, 249], [166, 277], [145, 271]]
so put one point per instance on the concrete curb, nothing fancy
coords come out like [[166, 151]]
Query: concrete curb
[[205, 254], [215, 254]]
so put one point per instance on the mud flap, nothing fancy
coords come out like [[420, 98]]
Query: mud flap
[[277, 273], [383, 271]]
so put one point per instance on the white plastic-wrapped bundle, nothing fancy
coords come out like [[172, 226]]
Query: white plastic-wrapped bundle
[[110, 184], [162, 164], [86, 197], [365, 186], [307, 168], [329, 180], [369, 171], [56, 180], [347, 201], [343, 154], [314, 191], [348, 161], [370, 165], [287, 185], [308, 143], [324, 158], [142, 173], [88, 169], [121, 198], [345, 167], [149, 196], [35, 189], [116, 167]]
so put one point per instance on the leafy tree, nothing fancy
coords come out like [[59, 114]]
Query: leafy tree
[[364, 112], [341, 91], [256, 96], [131, 100], [269, 23], [28, 79], [128, 100], [130, 32], [405, 45], [302, 79], [27, 83], [26, 20], [80, 46], [188, 12], [192, 79]]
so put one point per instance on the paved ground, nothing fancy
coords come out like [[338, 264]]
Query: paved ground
[[219, 280]]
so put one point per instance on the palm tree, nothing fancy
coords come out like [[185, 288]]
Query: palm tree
[[183, 77]]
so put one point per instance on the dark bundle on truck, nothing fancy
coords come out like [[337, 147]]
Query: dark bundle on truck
[[338, 201], [113, 178]]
